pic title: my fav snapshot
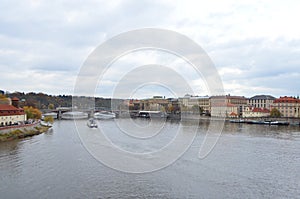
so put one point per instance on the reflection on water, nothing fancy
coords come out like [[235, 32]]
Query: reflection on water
[[10, 160], [252, 161]]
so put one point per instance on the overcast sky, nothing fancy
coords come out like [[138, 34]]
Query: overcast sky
[[255, 45]]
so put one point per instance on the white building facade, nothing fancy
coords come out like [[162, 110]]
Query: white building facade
[[249, 112], [10, 115], [261, 101]]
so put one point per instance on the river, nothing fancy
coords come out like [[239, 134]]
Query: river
[[248, 161]]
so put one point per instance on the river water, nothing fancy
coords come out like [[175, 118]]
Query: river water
[[249, 161]]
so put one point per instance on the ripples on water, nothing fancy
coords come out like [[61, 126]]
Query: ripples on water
[[249, 161]]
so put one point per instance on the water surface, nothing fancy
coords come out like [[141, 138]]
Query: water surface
[[249, 161]]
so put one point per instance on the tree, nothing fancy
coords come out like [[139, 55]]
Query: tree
[[31, 103], [51, 106], [163, 109], [170, 108], [201, 109], [183, 108], [32, 113], [196, 109], [49, 119], [4, 99], [275, 113]]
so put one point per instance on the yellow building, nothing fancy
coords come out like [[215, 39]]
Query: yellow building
[[189, 101], [154, 104], [287, 106]]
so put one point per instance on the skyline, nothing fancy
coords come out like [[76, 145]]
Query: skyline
[[150, 97], [254, 45]]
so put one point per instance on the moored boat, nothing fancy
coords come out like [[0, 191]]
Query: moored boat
[[51, 114], [104, 115], [74, 115], [46, 124], [267, 122], [152, 114], [237, 121], [255, 122], [284, 123]]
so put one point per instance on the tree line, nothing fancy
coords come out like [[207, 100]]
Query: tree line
[[45, 101]]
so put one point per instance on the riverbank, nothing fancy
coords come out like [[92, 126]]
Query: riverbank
[[21, 132]]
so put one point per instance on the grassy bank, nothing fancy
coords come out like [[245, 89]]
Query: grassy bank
[[22, 133]]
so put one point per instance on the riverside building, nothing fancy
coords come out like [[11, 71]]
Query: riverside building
[[287, 106], [11, 114]]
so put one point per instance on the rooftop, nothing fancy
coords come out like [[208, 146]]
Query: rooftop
[[227, 97], [286, 99], [261, 110], [15, 99], [6, 107], [262, 97]]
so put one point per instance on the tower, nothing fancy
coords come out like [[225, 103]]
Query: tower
[[15, 102]]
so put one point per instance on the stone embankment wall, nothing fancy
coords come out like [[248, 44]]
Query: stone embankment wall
[[27, 127]]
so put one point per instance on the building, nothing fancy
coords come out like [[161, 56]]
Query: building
[[189, 101], [173, 106], [261, 101], [11, 114], [134, 104], [287, 106], [154, 104], [204, 103], [239, 101], [224, 110], [250, 111]]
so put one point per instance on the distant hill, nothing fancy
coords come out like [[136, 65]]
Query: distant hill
[[44, 101]]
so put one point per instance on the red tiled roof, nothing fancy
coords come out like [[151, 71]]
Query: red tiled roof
[[287, 100], [6, 107], [6, 110], [15, 99], [260, 110], [233, 114]]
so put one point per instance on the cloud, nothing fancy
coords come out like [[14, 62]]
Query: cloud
[[255, 45]]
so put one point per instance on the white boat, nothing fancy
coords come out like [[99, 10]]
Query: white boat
[[74, 115], [104, 115], [92, 123], [151, 114], [52, 114], [47, 124], [276, 122]]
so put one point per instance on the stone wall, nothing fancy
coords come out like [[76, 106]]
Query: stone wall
[[8, 129]]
